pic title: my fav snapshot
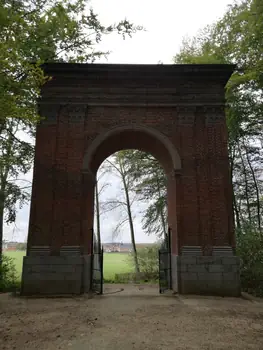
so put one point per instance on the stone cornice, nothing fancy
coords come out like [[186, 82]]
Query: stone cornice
[[132, 104], [149, 71]]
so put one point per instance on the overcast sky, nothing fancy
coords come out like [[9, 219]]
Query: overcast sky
[[166, 23]]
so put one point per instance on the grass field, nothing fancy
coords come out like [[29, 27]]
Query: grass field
[[113, 263]]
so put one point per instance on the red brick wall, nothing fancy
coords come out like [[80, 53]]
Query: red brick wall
[[62, 198], [199, 196]]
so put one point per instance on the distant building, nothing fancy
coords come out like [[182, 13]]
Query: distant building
[[112, 247], [122, 247], [10, 246], [4, 245]]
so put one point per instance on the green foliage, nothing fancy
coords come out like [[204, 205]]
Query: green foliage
[[15, 160], [250, 250], [149, 183], [148, 261], [118, 166], [39, 31], [226, 41], [8, 280], [21, 246], [32, 33], [237, 38]]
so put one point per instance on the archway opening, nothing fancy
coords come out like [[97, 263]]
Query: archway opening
[[137, 137], [130, 217], [132, 150]]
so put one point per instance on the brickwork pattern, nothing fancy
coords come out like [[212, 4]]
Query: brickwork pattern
[[62, 198], [202, 198], [184, 104]]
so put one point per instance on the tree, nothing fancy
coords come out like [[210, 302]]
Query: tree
[[38, 31], [237, 38], [118, 166], [149, 182], [97, 214], [98, 210], [34, 32], [15, 160]]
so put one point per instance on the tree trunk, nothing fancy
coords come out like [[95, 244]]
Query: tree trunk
[[1, 234], [237, 223], [97, 214], [239, 209], [162, 213], [256, 188], [246, 185], [126, 190], [235, 208], [4, 172]]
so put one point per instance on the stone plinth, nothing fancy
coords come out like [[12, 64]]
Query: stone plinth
[[211, 275], [53, 275]]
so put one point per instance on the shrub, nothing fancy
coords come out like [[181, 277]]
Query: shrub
[[148, 261], [8, 280], [21, 246], [250, 250]]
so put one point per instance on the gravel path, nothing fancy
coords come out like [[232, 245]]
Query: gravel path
[[135, 318]]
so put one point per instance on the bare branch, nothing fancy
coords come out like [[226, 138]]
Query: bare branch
[[119, 225], [105, 185], [21, 180], [111, 205], [114, 166], [134, 199]]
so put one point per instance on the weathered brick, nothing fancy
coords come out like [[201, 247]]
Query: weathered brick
[[231, 276], [135, 100], [231, 260], [183, 268], [197, 268], [187, 260], [188, 276], [209, 276], [208, 260], [216, 268]]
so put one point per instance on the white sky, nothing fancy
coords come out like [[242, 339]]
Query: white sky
[[166, 23]]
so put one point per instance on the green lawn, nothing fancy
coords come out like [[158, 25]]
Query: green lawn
[[18, 260], [113, 263], [116, 263]]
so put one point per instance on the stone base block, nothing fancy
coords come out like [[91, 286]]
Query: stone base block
[[210, 275], [174, 267], [55, 275], [86, 273]]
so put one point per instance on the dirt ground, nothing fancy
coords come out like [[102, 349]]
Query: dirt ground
[[135, 318]]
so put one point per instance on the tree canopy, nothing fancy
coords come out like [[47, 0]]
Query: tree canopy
[[34, 32], [237, 38]]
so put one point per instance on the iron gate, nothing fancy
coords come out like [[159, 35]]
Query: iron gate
[[165, 271], [96, 266]]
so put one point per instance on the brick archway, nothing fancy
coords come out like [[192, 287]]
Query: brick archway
[[175, 112], [130, 136], [143, 138]]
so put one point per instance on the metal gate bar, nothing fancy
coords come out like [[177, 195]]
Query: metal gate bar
[[165, 271], [96, 266]]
